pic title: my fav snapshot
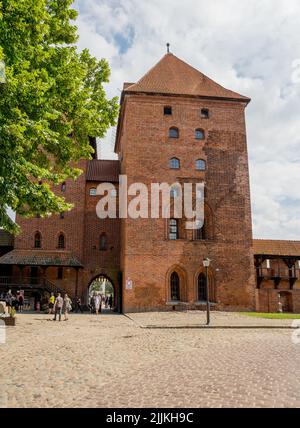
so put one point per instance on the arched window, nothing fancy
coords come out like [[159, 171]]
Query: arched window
[[173, 132], [202, 294], [175, 287], [199, 134], [37, 240], [61, 241], [173, 229], [63, 187], [200, 233], [103, 242], [200, 165], [174, 163]]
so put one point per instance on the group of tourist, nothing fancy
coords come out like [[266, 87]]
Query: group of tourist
[[12, 300], [96, 301], [60, 305]]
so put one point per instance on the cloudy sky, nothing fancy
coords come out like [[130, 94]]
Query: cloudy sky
[[250, 47]]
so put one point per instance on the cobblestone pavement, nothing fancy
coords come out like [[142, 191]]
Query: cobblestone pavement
[[198, 319], [108, 361]]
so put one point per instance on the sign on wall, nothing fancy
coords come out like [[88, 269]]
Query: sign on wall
[[129, 284]]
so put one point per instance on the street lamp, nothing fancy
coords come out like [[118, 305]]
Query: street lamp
[[206, 264]]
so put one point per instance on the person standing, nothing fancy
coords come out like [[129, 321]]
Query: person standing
[[51, 303], [58, 305]]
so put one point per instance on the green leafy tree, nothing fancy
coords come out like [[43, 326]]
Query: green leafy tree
[[52, 101]]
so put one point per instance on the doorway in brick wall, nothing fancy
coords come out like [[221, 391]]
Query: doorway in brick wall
[[286, 299], [102, 288]]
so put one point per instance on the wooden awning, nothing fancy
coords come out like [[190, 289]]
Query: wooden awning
[[40, 258]]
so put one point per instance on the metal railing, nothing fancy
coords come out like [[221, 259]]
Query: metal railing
[[279, 273], [29, 282]]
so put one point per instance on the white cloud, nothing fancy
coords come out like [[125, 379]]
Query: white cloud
[[249, 47]]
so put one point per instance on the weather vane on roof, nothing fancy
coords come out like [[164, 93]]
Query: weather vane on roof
[[168, 47]]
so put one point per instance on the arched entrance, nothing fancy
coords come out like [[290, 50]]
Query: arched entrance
[[103, 286]]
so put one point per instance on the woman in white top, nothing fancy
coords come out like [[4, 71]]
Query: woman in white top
[[98, 300]]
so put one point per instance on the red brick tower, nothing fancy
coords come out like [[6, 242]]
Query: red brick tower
[[177, 125]]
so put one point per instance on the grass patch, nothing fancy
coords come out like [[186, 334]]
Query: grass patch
[[272, 316]]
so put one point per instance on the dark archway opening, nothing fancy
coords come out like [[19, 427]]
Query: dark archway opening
[[101, 287]]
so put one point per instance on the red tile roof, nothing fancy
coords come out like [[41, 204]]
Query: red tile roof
[[40, 258], [276, 248], [103, 170], [173, 76]]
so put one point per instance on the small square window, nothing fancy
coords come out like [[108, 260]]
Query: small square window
[[113, 193], [168, 111], [205, 113], [93, 192]]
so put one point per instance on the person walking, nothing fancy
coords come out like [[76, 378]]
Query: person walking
[[51, 303], [110, 302], [67, 306], [58, 305], [92, 304], [9, 300], [21, 303], [79, 306]]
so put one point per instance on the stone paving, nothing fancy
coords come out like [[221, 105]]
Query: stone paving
[[185, 319], [109, 361]]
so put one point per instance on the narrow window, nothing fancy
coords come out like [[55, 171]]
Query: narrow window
[[204, 113], [199, 234], [174, 163], [93, 191], [174, 193], [268, 264], [199, 134], [200, 165], [173, 133], [202, 294], [173, 229], [63, 187], [37, 240], [168, 111], [60, 273], [61, 241], [103, 242], [175, 287]]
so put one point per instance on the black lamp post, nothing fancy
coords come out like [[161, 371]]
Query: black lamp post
[[206, 264]]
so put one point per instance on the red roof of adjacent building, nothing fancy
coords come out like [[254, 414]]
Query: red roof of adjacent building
[[276, 248], [103, 170], [172, 76]]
